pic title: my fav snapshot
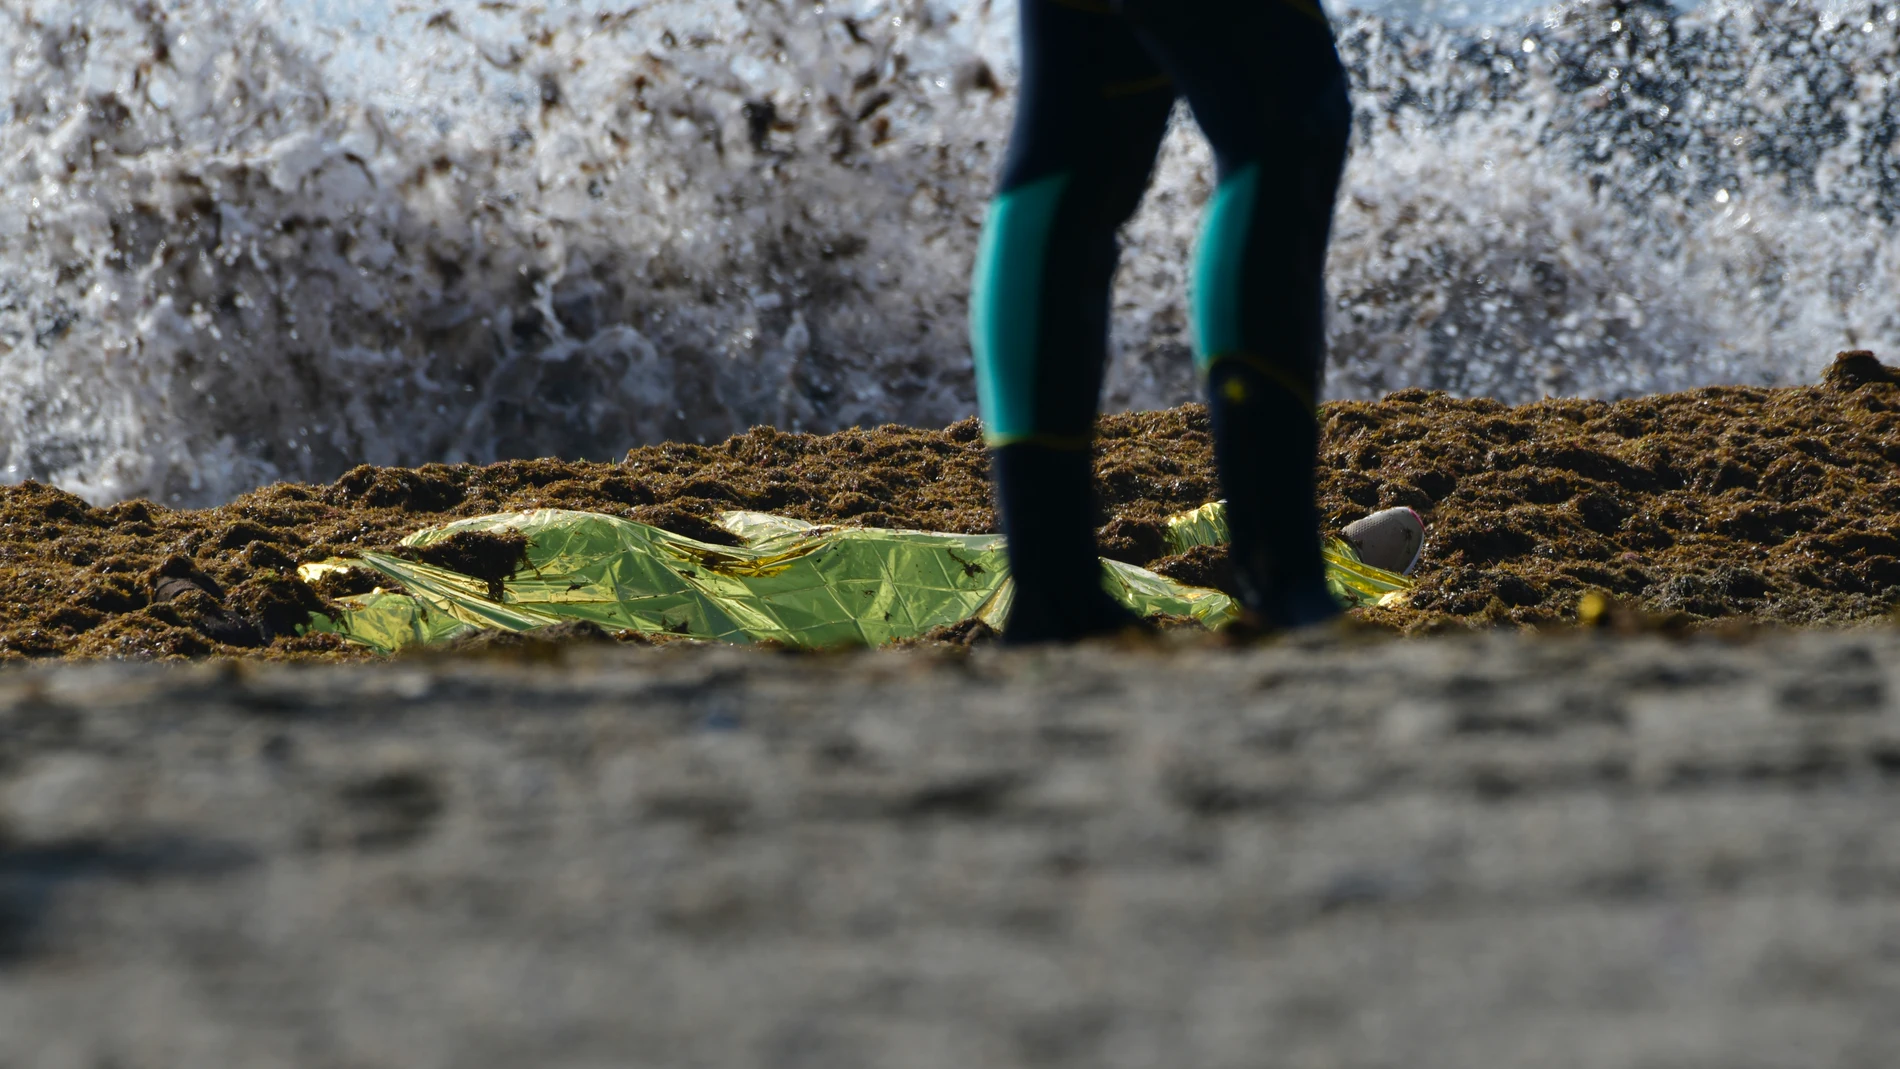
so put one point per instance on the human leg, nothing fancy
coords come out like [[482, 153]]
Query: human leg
[[1267, 88], [1092, 109]]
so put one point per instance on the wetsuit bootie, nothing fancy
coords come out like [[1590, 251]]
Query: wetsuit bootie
[[1266, 443], [1044, 498], [1305, 604]]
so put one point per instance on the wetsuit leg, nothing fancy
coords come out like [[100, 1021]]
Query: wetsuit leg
[[1267, 88], [1091, 113]]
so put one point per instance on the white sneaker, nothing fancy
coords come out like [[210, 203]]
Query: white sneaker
[[1391, 539]]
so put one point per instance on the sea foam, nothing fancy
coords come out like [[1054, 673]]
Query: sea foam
[[241, 248]]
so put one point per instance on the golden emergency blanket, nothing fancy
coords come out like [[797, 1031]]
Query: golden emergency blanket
[[792, 582]]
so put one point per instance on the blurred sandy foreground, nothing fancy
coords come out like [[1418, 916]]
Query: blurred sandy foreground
[[1474, 849]]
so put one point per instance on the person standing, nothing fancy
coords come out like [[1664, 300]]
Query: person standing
[[1100, 78]]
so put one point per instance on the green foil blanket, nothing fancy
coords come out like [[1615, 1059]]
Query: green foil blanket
[[792, 582]]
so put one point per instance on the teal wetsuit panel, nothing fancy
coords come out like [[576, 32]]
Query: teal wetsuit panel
[[1005, 307], [1219, 264]]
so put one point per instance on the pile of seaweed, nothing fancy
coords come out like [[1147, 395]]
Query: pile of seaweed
[[1717, 504]]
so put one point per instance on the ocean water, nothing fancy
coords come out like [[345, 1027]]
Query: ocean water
[[250, 240]]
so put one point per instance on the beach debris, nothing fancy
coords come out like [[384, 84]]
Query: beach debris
[[1392, 539]]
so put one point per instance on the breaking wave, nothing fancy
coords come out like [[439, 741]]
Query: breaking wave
[[241, 247]]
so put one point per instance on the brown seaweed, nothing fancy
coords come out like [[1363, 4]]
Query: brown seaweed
[[1724, 503]]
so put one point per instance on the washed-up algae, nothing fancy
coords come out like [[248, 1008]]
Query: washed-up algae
[[1776, 505]]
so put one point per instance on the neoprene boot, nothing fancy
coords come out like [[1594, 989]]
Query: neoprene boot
[[1267, 443], [1046, 502]]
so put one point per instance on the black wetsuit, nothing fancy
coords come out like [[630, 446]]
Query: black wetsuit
[[1099, 80]]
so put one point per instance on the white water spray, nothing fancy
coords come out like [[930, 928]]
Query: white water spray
[[237, 254]]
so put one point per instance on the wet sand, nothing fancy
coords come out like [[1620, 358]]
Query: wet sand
[[1711, 507], [1579, 850]]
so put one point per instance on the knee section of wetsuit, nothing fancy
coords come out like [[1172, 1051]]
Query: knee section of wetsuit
[[1220, 297], [1007, 310], [1261, 409], [1039, 310]]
